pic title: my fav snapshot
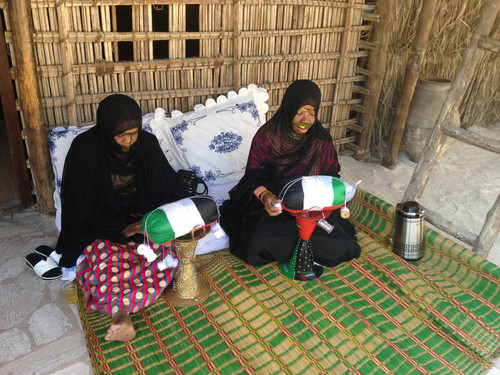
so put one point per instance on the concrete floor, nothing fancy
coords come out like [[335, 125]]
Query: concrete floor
[[40, 333]]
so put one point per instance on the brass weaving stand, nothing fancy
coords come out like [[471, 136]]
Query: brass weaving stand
[[188, 288]]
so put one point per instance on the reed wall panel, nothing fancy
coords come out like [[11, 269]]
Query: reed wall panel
[[175, 54]]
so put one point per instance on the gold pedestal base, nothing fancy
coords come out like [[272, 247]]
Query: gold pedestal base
[[188, 287]]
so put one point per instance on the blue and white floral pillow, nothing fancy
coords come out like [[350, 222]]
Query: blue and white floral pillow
[[60, 140], [213, 140]]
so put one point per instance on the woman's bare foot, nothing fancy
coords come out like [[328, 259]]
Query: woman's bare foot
[[122, 329]]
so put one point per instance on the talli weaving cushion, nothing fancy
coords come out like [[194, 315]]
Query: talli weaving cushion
[[213, 140], [316, 193], [173, 220]]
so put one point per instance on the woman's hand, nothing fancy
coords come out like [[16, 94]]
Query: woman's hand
[[132, 229], [269, 200]]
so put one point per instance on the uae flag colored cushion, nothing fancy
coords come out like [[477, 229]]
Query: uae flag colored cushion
[[315, 193], [178, 218]]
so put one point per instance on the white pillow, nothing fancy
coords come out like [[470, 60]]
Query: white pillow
[[213, 140], [215, 240], [220, 192], [60, 140]]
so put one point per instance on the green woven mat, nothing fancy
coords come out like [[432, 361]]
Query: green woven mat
[[375, 314]]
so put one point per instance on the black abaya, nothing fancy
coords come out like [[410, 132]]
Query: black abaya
[[276, 158], [91, 208]]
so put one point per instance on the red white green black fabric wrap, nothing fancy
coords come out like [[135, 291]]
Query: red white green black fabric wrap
[[178, 218], [315, 193]]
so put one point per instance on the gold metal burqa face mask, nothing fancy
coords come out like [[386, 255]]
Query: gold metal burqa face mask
[[301, 125]]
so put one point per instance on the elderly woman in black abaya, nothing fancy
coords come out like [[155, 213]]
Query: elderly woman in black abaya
[[292, 144], [113, 174]]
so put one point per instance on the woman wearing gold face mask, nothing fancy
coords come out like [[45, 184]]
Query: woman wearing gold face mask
[[292, 144]]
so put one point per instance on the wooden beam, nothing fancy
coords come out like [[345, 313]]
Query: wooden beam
[[456, 231], [89, 3], [237, 26], [412, 72], [372, 45], [361, 90], [371, 17], [362, 71], [13, 126], [490, 231], [115, 36], [489, 44], [341, 66], [67, 62], [472, 138], [36, 130], [377, 63]]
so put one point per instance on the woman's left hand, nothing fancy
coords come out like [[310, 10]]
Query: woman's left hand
[[132, 229]]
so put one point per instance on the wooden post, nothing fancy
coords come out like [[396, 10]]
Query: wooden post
[[67, 61], [346, 34], [377, 64], [490, 231], [13, 126], [36, 132], [471, 57], [425, 21], [237, 45]]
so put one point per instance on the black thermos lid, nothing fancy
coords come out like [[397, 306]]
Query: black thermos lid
[[411, 207]]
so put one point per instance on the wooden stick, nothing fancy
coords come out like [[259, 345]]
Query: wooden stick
[[110, 81], [341, 66], [69, 86], [459, 232], [114, 23], [472, 138], [13, 127], [377, 64], [425, 22], [489, 44], [87, 3], [490, 231], [38, 144], [237, 44], [471, 57]]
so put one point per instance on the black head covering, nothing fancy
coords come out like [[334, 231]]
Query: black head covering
[[114, 116], [298, 94]]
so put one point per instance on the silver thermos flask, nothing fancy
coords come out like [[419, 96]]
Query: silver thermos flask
[[408, 241]]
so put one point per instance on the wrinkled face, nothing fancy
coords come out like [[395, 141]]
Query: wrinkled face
[[128, 137], [304, 119]]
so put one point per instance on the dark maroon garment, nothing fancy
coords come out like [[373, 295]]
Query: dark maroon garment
[[269, 146]]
